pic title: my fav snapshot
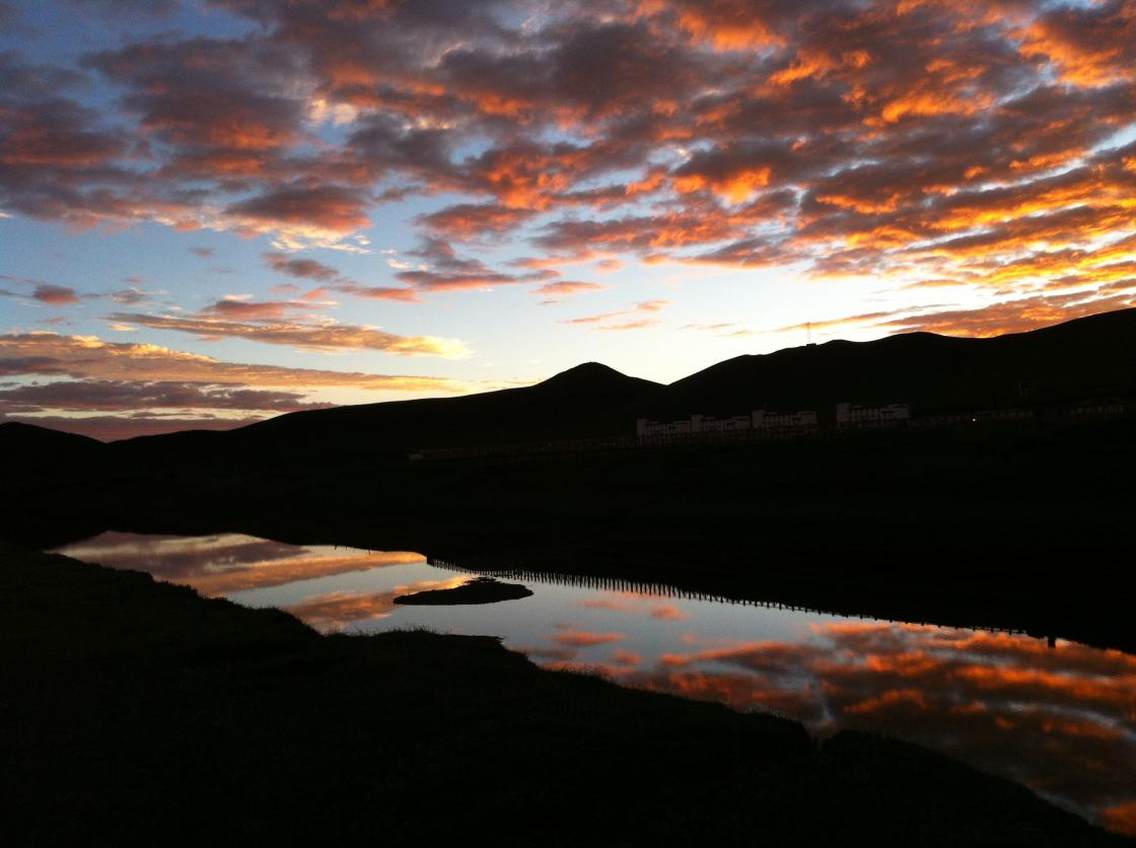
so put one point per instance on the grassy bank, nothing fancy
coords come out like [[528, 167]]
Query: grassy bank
[[134, 711]]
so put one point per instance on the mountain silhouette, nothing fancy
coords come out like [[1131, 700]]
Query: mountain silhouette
[[26, 446], [1085, 359], [1082, 360], [587, 401]]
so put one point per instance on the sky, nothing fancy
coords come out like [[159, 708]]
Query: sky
[[215, 211]]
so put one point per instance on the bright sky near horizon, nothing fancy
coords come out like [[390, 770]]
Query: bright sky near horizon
[[212, 211]]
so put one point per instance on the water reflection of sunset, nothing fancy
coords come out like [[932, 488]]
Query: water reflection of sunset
[[336, 611], [229, 562], [1061, 720]]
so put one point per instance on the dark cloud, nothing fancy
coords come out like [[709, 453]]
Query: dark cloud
[[306, 269], [55, 295], [29, 289], [445, 270], [108, 395], [470, 220], [333, 209]]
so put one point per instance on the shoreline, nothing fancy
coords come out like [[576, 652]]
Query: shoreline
[[111, 666]]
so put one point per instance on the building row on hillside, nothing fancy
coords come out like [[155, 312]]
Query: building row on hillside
[[797, 422], [857, 416], [763, 423]]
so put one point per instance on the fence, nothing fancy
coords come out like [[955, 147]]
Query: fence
[[665, 590]]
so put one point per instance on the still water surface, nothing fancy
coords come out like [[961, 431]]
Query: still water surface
[[1060, 719]]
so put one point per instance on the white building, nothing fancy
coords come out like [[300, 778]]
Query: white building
[[649, 428], [799, 421], [710, 424], [853, 415]]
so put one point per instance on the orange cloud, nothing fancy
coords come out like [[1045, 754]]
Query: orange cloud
[[906, 141], [607, 320], [277, 573], [727, 24], [1090, 46], [1060, 719], [584, 638], [88, 356], [337, 610], [555, 292], [122, 375], [326, 335], [1121, 818]]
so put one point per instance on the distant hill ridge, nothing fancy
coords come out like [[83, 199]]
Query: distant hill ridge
[[1084, 359]]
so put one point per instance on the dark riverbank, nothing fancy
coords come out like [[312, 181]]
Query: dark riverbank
[[139, 712], [1019, 527]]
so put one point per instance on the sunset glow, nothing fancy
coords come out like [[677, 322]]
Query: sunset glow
[[214, 211]]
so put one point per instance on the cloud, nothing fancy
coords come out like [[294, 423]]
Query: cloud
[[637, 604], [305, 269], [1058, 719], [130, 296], [1011, 316], [268, 573], [64, 382], [624, 657], [111, 395], [88, 357], [41, 292], [574, 638], [903, 141], [558, 291], [337, 610], [55, 295], [309, 269], [722, 329], [445, 270], [465, 221], [324, 212], [403, 295], [638, 317], [261, 326]]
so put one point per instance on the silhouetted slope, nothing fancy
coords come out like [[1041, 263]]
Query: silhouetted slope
[[15, 436], [27, 446], [1087, 358], [586, 401], [1084, 359]]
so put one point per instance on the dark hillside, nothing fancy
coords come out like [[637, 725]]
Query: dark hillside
[[587, 401], [1085, 359]]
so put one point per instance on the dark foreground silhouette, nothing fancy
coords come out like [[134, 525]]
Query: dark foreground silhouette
[[1026, 529], [137, 712]]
